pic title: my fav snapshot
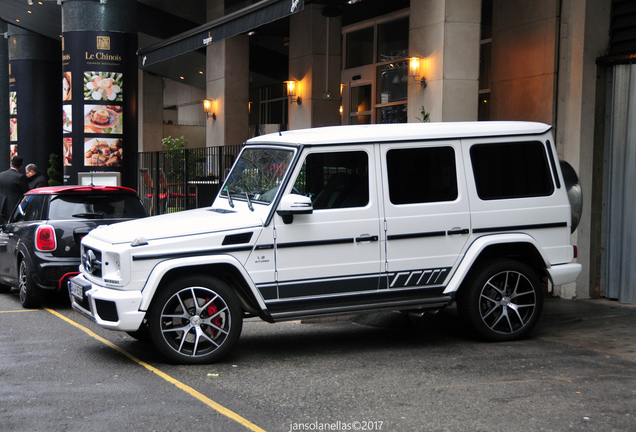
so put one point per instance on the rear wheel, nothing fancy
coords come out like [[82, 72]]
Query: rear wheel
[[195, 320], [502, 301], [29, 296]]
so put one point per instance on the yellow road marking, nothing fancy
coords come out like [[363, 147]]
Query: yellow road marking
[[209, 402], [20, 310]]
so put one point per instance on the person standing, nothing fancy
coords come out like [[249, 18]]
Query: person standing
[[36, 179], [13, 184]]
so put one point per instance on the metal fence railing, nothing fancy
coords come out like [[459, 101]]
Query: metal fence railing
[[175, 180]]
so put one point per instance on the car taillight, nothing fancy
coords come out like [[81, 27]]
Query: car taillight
[[45, 238], [576, 251]]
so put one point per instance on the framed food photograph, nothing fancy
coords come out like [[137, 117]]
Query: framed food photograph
[[67, 119], [67, 94], [103, 86], [103, 119], [68, 151], [103, 152], [13, 103]]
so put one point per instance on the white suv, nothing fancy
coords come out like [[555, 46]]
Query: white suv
[[340, 220]]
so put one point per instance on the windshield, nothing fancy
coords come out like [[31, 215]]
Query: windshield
[[257, 174]]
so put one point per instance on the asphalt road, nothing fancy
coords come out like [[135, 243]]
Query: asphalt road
[[383, 372]]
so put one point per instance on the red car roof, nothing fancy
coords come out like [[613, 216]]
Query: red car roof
[[80, 189]]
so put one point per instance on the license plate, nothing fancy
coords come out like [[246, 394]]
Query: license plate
[[76, 289]]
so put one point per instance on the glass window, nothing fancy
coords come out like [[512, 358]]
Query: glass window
[[360, 99], [511, 170], [393, 82], [359, 48], [258, 174], [393, 40], [335, 180], [392, 114], [95, 206], [29, 209], [421, 175]]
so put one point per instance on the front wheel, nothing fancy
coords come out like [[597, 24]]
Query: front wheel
[[195, 320], [502, 301], [29, 296]]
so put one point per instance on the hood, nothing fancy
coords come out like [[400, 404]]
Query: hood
[[184, 223]]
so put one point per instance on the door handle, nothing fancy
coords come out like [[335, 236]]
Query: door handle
[[366, 238], [457, 231]]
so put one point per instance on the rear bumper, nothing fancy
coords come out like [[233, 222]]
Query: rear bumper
[[51, 274], [564, 273]]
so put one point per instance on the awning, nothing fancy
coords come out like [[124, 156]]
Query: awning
[[241, 21]]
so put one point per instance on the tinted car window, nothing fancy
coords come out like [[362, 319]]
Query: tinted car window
[[95, 206], [421, 175], [335, 180], [511, 170], [29, 209]]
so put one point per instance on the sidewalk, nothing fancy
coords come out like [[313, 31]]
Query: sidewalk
[[602, 325]]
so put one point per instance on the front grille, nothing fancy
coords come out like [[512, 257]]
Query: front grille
[[92, 261]]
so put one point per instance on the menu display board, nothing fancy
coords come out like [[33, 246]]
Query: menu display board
[[94, 101]]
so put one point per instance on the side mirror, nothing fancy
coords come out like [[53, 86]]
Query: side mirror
[[293, 204]]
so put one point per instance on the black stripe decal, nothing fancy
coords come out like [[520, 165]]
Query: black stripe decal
[[415, 235], [521, 227], [173, 255], [315, 243]]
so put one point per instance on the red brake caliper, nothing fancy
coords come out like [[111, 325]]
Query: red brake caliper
[[212, 309]]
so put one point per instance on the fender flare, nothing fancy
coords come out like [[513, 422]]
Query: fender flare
[[162, 268], [479, 245]]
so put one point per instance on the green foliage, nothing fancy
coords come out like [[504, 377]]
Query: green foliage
[[55, 176], [426, 116], [170, 143]]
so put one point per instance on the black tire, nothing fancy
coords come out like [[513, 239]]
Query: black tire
[[501, 301], [195, 320], [27, 292], [142, 335]]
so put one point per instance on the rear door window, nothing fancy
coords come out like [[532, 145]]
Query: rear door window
[[421, 175]]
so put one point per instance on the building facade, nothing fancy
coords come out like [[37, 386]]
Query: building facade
[[270, 65]]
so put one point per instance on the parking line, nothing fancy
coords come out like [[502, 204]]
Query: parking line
[[20, 310], [209, 402]]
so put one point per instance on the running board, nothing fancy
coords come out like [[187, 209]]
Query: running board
[[333, 310]]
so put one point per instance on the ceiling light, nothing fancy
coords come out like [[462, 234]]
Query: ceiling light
[[29, 2]]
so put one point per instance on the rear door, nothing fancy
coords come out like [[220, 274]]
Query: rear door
[[426, 214]]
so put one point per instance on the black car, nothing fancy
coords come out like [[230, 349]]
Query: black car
[[40, 243]]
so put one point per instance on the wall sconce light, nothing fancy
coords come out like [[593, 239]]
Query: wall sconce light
[[208, 109], [292, 89], [414, 71]]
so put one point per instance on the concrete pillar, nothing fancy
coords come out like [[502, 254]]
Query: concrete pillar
[[36, 96], [227, 85], [4, 96], [150, 112], [584, 36], [315, 60], [99, 51], [445, 33], [523, 65]]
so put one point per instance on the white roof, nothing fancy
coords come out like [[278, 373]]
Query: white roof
[[400, 132]]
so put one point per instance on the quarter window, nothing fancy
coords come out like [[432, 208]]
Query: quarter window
[[511, 170], [421, 175]]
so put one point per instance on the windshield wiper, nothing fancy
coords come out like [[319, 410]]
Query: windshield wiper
[[229, 198], [97, 215], [249, 201]]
